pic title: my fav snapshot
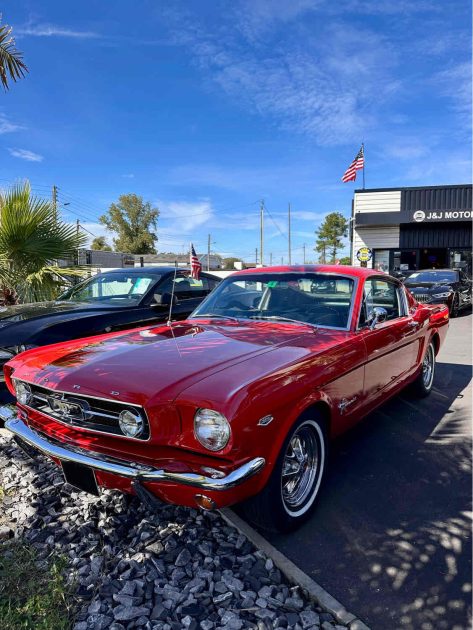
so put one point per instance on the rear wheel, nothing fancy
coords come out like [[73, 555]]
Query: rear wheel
[[293, 487], [422, 386]]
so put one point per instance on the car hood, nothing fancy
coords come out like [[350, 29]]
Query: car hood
[[159, 362], [18, 323]]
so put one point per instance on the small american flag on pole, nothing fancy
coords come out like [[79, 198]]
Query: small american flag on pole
[[358, 163], [196, 267]]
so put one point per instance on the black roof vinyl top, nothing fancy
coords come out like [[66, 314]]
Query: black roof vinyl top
[[150, 269]]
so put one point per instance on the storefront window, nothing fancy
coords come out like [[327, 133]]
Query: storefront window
[[460, 259], [381, 260]]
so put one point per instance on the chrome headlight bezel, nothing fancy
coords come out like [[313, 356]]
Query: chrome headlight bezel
[[211, 429], [131, 422], [442, 295], [23, 391]]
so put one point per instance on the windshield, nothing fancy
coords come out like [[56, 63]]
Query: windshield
[[112, 288], [318, 299], [432, 276]]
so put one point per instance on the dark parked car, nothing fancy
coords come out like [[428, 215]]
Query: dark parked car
[[114, 300], [437, 286]]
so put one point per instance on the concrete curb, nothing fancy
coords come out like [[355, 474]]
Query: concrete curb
[[292, 572]]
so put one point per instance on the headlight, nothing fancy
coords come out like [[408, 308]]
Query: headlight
[[211, 428], [23, 392], [8, 353], [442, 295], [131, 422]]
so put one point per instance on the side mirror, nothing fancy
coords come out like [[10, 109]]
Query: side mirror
[[377, 316], [164, 299]]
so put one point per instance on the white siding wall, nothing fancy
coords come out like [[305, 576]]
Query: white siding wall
[[379, 237], [389, 201]]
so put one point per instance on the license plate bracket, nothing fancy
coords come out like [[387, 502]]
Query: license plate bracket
[[80, 476]]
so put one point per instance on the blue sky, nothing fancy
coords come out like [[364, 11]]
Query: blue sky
[[205, 107]]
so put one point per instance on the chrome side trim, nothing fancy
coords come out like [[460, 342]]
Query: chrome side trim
[[126, 469]]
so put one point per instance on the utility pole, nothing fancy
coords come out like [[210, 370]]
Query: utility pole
[[271, 259], [54, 201], [303, 247], [208, 253], [256, 256], [289, 231], [282, 260], [262, 232]]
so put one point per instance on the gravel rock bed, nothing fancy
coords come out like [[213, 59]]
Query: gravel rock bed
[[131, 568]]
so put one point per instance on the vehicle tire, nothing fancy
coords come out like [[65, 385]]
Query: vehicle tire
[[292, 490], [422, 386], [455, 306]]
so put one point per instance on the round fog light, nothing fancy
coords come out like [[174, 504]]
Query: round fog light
[[23, 392], [131, 423]]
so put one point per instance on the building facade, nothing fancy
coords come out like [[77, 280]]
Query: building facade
[[404, 229]]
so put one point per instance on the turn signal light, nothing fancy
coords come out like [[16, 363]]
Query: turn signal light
[[204, 502]]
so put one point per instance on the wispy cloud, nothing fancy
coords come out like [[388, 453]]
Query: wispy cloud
[[24, 154], [455, 83], [7, 126], [256, 17], [128, 175], [331, 90], [179, 221], [53, 30]]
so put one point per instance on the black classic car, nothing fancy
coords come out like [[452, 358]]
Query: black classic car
[[114, 300], [436, 286]]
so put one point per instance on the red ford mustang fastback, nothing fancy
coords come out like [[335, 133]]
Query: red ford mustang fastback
[[237, 403]]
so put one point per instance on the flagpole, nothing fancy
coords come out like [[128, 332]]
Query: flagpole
[[364, 164]]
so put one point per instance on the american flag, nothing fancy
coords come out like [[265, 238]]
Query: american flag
[[357, 164], [196, 267]]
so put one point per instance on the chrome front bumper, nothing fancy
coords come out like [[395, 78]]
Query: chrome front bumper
[[136, 472]]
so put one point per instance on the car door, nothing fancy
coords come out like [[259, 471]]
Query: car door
[[392, 346]]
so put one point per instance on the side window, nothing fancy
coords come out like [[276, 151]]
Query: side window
[[186, 287], [384, 294], [213, 282]]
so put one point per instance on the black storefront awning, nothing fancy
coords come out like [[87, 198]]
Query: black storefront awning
[[456, 235]]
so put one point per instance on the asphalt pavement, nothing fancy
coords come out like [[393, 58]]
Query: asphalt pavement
[[390, 537]]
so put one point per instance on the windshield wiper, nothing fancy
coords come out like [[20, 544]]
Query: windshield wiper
[[214, 316], [283, 319]]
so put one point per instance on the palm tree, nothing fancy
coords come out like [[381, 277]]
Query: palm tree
[[12, 65], [31, 239]]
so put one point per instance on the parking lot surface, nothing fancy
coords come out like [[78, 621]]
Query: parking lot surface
[[390, 537]]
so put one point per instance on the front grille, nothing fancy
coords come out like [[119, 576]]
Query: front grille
[[422, 297], [84, 412]]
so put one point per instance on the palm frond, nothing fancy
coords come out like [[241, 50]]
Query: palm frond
[[12, 65], [31, 238]]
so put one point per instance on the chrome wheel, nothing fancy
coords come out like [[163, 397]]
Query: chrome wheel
[[302, 468], [428, 366]]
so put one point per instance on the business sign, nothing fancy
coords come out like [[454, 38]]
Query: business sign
[[420, 216], [364, 254]]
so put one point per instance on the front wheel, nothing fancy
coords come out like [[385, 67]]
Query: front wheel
[[422, 386], [455, 306], [293, 487]]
